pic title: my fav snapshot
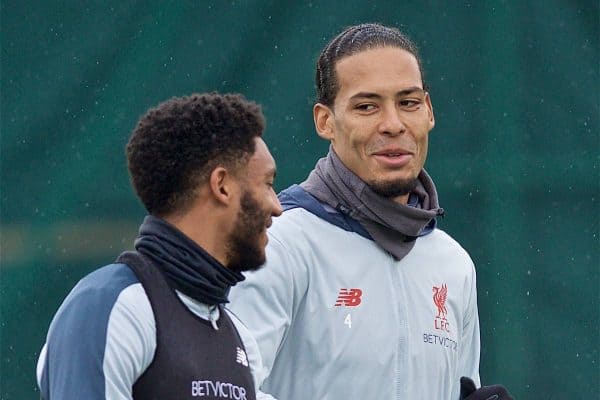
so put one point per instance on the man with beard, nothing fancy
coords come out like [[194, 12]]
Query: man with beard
[[152, 325], [363, 297]]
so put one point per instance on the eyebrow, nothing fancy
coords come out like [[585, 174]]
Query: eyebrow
[[404, 92], [272, 172]]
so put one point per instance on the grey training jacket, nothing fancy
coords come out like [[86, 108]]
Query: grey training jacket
[[337, 317]]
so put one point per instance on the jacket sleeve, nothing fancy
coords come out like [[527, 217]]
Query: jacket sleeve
[[98, 344], [267, 299], [254, 358], [470, 349]]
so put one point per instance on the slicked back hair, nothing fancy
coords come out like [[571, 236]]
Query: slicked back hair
[[352, 40], [176, 145]]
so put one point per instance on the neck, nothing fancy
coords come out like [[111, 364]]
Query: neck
[[402, 199], [205, 229], [188, 267]]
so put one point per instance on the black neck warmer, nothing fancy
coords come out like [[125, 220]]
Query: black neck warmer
[[186, 266]]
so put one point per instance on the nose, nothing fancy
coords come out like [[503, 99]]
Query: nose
[[276, 209], [391, 123]]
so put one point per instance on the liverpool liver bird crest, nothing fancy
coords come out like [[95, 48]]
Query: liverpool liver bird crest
[[439, 298]]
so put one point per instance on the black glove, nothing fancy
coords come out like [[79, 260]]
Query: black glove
[[468, 391]]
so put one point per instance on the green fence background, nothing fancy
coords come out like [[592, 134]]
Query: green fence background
[[515, 153]]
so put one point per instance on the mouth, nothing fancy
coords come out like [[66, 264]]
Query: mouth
[[392, 152], [393, 158]]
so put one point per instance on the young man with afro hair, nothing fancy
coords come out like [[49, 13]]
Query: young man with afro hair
[[152, 324]]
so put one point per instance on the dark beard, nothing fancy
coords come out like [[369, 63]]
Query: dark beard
[[245, 253], [393, 189]]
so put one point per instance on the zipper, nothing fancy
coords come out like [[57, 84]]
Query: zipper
[[211, 317]]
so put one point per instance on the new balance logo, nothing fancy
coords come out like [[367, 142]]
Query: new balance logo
[[348, 298], [241, 357]]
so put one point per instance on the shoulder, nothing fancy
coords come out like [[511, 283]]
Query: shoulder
[[439, 248], [96, 294], [112, 302], [443, 239], [291, 229], [105, 283], [105, 325], [297, 234], [111, 293], [297, 223]]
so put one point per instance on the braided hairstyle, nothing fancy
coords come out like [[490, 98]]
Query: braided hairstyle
[[352, 40], [176, 145]]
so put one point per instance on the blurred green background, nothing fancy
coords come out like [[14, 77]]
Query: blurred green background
[[515, 152]]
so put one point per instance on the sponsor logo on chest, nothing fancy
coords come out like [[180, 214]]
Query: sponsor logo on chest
[[241, 357], [348, 298], [440, 294], [440, 321], [218, 389]]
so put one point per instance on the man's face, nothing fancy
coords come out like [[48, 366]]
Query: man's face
[[258, 204], [380, 120]]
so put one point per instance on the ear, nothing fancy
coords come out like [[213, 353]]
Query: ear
[[222, 185], [323, 117], [430, 111]]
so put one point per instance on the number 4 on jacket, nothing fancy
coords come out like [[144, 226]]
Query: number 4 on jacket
[[348, 320]]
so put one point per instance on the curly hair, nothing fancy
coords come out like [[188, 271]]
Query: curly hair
[[176, 145], [352, 40]]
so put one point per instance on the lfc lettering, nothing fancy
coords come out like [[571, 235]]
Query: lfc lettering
[[441, 324]]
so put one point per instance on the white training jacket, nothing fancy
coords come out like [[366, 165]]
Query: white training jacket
[[336, 317], [103, 338]]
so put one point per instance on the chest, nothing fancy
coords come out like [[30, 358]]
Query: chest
[[191, 359], [366, 306]]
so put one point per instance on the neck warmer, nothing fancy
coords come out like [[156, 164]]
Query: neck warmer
[[186, 266], [392, 226]]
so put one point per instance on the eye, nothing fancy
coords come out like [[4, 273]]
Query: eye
[[365, 107], [410, 104]]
